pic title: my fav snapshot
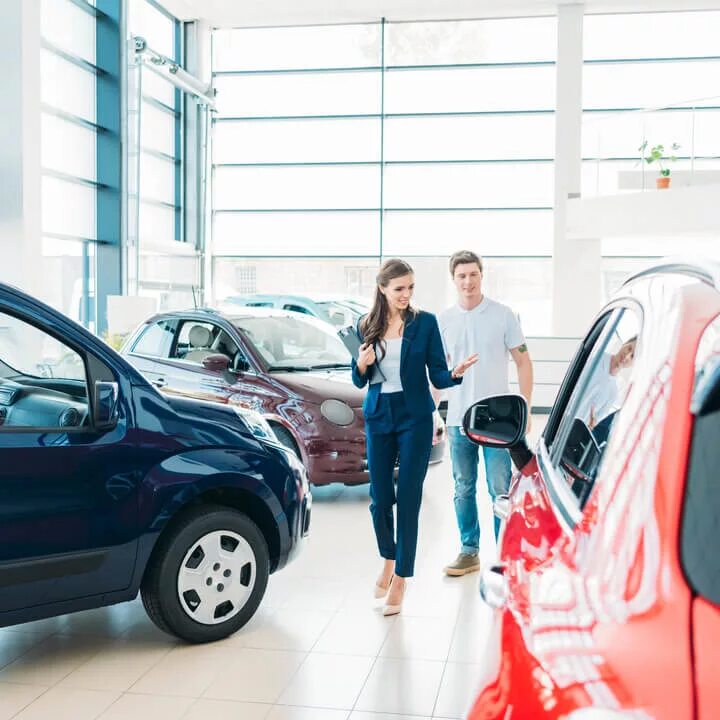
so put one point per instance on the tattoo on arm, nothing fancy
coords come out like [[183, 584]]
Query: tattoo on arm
[[522, 348]]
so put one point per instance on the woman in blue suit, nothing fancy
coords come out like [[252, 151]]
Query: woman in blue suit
[[405, 345]]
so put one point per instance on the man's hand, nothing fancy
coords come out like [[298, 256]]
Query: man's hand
[[366, 357], [459, 370]]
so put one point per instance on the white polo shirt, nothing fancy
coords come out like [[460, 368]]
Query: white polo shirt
[[491, 330]]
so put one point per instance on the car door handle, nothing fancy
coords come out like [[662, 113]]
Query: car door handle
[[159, 382], [494, 586]]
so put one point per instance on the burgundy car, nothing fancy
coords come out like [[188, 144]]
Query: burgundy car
[[292, 369]]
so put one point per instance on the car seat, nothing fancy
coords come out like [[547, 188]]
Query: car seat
[[200, 339]]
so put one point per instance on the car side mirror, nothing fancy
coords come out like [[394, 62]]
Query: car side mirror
[[499, 421], [216, 362], [106, 408]]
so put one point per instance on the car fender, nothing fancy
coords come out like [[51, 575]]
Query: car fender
[[180, 480]]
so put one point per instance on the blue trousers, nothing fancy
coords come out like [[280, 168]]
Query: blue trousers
[[498, 472], [396, 435]]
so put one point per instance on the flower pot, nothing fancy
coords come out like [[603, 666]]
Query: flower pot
[[663, 182]]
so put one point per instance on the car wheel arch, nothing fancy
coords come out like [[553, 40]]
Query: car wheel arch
[[233, 498]]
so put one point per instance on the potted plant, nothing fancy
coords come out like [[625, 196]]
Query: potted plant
[[657, 154]]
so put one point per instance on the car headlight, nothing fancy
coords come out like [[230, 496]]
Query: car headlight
[[255, 423], [337, 412]]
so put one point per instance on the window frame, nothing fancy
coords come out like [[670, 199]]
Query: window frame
[[558, 427]]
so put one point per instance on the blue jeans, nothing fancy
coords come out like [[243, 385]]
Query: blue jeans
[[498, 472]]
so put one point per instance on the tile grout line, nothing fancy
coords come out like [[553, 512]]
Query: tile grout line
[[447, 658]]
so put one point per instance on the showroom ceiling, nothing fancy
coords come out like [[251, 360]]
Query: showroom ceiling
[[250, 13]]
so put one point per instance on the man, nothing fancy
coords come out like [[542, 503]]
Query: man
[[480, 325]]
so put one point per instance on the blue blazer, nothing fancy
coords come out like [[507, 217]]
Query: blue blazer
[[421, 348]]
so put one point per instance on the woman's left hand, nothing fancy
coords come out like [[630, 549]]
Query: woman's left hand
[[460, 368]]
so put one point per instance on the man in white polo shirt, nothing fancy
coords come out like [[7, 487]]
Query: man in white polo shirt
[[479, 325]]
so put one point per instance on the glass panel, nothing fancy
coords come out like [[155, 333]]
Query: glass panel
[[156, 340], [646, 35], [487, 233], [461, 138], [653, 85], [32, 352], [156, 86], [471, 41], [297, 141], [159, 30], [157, 224], [169, 270], [157, 178], [69, 278], [158, 129], [66, 86], [305, 94], [323, 233], [345, 276], [297, 187], [296, 47], [168, 298], [470, 89], [68, 147], [495, 185], [57, 197], [68, 27]]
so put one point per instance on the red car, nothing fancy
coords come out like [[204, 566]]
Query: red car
[[292, 369], [607, 589]]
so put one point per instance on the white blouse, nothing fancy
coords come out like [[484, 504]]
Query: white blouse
[[390, 366]]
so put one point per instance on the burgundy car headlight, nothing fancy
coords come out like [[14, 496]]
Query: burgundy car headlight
[[337, 412]]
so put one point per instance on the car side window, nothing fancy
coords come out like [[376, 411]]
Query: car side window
[[156, 339], [194, 341], [43, 382], [701, 508], [595, 400]]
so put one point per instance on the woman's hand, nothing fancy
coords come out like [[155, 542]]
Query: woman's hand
[[459, 370], [366, 357]]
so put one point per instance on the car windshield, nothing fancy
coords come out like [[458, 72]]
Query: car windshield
[[294, 343]]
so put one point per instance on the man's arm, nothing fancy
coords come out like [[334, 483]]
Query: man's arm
[[521, 356]]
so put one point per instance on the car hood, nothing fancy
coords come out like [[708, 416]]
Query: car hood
[[318, 385]]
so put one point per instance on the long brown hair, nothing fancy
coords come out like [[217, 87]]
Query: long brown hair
[[374, 324]]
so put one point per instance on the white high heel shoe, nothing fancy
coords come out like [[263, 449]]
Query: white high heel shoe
[[394, 609], [380, 591]]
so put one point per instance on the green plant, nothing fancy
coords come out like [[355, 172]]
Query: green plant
[[115, 340], [657, 154]]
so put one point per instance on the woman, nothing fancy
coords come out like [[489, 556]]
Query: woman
[[405, 343]]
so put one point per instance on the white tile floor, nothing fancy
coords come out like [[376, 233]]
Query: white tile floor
[[318, 648]]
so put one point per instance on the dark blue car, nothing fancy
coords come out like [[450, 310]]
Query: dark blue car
[[109, 487]]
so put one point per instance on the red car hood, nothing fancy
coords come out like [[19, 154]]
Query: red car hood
[[320, 385]]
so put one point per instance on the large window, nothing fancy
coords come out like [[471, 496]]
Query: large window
[[164, 266], [665, 62], [348, 144], [69, 130]]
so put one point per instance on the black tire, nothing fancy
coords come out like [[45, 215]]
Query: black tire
[[285, 437], [159, 590]]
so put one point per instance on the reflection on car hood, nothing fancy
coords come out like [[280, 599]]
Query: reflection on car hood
[[318, 385]]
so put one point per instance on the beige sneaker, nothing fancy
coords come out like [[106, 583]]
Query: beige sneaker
[[463, 565]]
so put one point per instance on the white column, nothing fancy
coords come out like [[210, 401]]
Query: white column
[[576, 263], [20, 179]]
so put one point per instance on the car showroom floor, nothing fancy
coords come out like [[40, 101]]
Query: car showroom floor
[[318, 648]]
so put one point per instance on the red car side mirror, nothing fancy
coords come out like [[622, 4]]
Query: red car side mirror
[[216, 363]]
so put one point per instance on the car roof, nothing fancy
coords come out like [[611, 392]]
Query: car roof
[[704, 269]]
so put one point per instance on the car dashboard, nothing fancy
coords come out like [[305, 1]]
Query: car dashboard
[[32, 402]]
